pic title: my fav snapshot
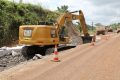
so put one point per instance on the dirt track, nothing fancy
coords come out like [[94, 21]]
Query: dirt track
[[85, 62]]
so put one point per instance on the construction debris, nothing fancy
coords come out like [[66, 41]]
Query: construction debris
[[2, 65], [10, 56], [74, 34], [14, 53], [37, 56]]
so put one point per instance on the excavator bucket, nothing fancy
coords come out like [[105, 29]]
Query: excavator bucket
[[87, 39]]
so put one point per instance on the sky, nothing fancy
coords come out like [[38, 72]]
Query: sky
[[96, 11]]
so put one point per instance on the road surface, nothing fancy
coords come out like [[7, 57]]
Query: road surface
[[85, 62]]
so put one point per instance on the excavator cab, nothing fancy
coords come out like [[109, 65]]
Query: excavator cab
[[63, 35]]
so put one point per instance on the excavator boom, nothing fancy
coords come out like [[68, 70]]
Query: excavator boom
[[69, 16]]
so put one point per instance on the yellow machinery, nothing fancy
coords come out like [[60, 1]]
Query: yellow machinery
[[42, 38]]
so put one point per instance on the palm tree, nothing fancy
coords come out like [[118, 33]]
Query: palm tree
[[62, 9]]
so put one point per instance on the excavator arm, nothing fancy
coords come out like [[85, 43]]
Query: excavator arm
[[83, 23], [69, 16]]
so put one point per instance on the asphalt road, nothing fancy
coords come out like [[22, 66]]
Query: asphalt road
[[85, 62]]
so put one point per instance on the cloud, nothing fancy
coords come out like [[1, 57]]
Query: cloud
[[107, 10], [104, 2]]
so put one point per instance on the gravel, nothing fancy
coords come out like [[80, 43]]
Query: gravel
[[9, 60], [74, 34], [10, 56]]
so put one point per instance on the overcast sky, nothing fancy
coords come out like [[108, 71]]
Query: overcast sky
[[98, 11]]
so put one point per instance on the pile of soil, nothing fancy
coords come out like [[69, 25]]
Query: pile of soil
[[74, 34]]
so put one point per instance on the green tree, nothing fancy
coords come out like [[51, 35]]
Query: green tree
[[13, 15], [89, 27], [79, 27], [98, 24], [115, 26], [62, 9], [51, 17]]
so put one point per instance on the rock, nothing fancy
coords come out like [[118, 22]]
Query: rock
[[15, 53], [35, 58], [2, 65], [38, 56], [3, 48], [10, 53], [4, 52]]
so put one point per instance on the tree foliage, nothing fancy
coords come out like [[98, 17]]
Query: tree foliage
[[62, 9], [98, 24], [89, 27], [115, 26], [12, 15]]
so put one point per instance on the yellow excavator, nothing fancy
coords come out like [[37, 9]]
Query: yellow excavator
[[42, 38]]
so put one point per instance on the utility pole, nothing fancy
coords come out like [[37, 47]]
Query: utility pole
[[92, 25]]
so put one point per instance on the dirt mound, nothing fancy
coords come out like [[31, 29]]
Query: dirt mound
[[73, 33]]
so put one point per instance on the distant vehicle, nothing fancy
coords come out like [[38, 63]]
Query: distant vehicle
[[103, 30], [118, 30]]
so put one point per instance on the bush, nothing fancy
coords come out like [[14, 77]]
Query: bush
[[12, 15]]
